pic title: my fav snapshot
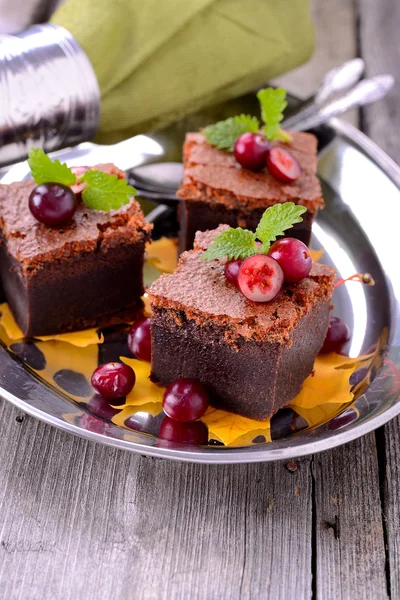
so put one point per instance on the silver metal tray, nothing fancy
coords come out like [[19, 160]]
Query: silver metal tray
[[358, 229]]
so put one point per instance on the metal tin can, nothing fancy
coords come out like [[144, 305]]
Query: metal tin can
[[49, 94]]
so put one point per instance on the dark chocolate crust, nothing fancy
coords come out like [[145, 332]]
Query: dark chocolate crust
[[256, 380], [216, 190], [82, 275]]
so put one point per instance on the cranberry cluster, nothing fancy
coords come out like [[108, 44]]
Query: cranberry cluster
[[260, 277], [253, 151], [184, 401]]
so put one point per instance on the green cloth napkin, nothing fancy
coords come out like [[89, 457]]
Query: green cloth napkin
[[158, 60]]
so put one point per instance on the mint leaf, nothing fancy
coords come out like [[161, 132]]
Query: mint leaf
[[104, 191], [272, 104], [224, 134], [45, 170], [275, 220], [233, 243], [240, 243]]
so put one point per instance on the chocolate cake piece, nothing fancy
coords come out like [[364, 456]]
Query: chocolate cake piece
[[252, 357], [80, 275], [215, 189]]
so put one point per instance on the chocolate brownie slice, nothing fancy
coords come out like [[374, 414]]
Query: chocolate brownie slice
[[215, 189], [252, 357], [73, 277]]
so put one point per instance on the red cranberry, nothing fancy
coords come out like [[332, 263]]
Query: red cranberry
[[260, 278], [52, 204], [251, 150], [185, 400], [139, 339], [184, 433], [113, 380], [231, 270], [338, 334], [294, 258], [282, 165]]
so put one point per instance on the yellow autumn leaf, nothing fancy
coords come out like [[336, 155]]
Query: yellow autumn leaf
[[144, 390], [151, 408], [162, 254], [62, 357], [76, 338], [329, 382], [228, 427], [319, 414]]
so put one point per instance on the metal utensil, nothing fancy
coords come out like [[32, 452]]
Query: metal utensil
[[49, 95], [336, 80], [365, 92]]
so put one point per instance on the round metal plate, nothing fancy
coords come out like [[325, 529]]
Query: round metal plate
[[358, 230]]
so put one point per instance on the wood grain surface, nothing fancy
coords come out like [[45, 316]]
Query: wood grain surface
[[82, 521]]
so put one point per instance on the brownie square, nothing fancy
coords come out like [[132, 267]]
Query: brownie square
[[80, 275], [215, 189], [252, 357]]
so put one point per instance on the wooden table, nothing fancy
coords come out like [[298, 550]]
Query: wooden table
[[83, 521]]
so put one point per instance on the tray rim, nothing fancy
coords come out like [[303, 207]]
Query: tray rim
[[256, 453]]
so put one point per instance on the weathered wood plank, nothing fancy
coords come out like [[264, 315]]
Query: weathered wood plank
[[350, 552], [84, 521], [390, 465], [381, 51], [379, 29]]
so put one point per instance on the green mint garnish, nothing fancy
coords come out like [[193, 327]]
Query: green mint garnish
[[241, 243], [224, 134], [272, 104], [232, 243], [274, 222], [45, 170], [104, 191]]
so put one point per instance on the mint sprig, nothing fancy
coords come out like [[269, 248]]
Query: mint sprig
[[45, 170], [224, 134], [104, 191], [241, 243], [272, 104], [232, 243], [274, 222]]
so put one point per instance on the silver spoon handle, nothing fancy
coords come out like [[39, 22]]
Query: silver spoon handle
[[339, 79], [365, 92], [336, 80]]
